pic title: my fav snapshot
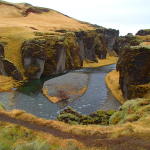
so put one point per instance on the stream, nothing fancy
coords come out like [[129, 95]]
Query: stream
[[30, 98]]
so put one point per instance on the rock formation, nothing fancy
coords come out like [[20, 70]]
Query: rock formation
[[125, 41], [143, 32], [134, 70], [7, 68], [52, 54]]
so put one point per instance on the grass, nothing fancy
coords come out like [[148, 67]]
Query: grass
[[7, 83], [113, 137], [101, 62], [112, 81], [14, 37], [131, 111], [19, 138]]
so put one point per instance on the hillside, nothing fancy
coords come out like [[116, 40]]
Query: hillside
[[62, 42], [20, 21]]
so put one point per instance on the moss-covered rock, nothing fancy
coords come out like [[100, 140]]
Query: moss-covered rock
[[125, 41], [69, 115], [51, 54], [134, 69]]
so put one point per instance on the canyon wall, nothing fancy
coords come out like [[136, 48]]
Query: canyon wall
[[7, 68], [53, 54], [134, 70]]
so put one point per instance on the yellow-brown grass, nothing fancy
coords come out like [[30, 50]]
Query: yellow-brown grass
[[7, 83], [101, 62], [15, 28], [112, 81], [107, 134]]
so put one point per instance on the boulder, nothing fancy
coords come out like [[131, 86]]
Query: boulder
[[68, 86]]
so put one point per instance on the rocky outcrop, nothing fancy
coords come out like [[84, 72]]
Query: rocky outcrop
[[53, 54], [134, 70], [125, 41], [7, 68], [143, 32], [110, 37]]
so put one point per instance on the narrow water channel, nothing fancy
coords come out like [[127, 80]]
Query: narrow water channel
[[96, 97]]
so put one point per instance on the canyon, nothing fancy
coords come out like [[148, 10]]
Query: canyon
[[44, 50]]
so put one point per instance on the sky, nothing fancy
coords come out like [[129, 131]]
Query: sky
[[128, 16]]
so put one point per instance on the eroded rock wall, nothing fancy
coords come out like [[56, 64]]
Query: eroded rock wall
[[134, 70], [125, 41], [52, 54], [7, 68]]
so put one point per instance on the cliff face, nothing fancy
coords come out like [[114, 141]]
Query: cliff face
[[52, 54], [134, 70], [7, 68], [43, 41], [125, 41]]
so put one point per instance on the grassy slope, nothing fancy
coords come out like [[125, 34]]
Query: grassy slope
[[16, 28], [112, 81], [114, 137]]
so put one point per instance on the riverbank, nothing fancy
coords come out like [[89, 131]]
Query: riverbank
[[7, 83], [101, 62], [112, 81]]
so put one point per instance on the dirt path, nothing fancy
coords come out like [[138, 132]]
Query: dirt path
[[98, 140]]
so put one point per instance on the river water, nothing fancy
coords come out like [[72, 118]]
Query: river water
[[30, 98]]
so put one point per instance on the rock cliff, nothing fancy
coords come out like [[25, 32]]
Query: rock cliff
[[52, 54], [134, 70], [41, 41], [125, 41], [7, 68]]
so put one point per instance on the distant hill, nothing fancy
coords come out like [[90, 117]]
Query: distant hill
[[27, 16]]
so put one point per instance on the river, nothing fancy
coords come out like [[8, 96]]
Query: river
[[30, 98]]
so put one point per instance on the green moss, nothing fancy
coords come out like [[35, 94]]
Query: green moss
[[132, 110], [70, 116]]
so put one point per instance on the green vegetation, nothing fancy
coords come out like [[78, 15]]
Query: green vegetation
[[132, 110], [100, 117], [18, 138], [2, 107]]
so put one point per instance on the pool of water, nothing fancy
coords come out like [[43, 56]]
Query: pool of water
[[30, 98]]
